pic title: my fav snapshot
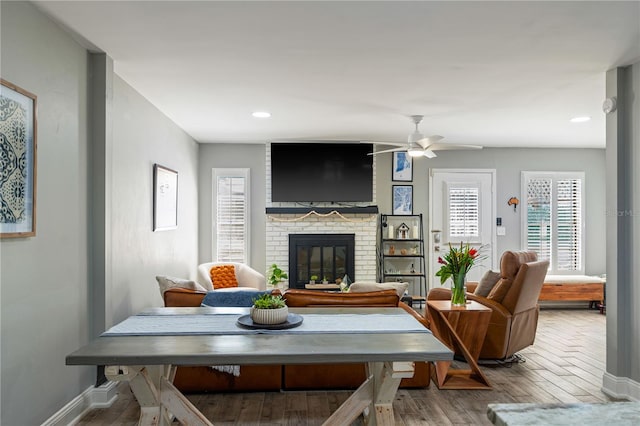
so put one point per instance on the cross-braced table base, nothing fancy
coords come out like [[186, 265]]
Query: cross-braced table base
[[160, 401]]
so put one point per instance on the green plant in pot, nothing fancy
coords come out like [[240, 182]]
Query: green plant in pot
[[276, 275], [269, 309], [313, 279]]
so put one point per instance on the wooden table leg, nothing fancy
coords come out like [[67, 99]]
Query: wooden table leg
[[374, 398], [444, 326], [159, 400]]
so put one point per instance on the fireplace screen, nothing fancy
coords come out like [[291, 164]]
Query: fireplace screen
[[325, 256]]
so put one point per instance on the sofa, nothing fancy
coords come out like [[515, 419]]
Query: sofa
[[290, 377], [513, 300]]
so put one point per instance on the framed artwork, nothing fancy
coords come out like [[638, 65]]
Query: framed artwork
[[402, 199], [402, 167], [165, 198], [18, 153]]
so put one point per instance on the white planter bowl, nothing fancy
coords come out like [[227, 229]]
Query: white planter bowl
[[269, 316]]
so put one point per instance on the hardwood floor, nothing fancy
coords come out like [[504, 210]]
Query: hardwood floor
[[565, 364]]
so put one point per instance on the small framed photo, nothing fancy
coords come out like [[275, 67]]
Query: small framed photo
[[402, 199], [18, 155], [165, 198], [402, 167]]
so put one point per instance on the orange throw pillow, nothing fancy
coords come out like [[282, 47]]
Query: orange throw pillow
[[223, 276]]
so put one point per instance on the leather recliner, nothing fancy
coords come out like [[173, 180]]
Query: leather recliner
[[514, 319]]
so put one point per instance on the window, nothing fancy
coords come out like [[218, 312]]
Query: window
[[554, 219], [464, 212], [231, 215]]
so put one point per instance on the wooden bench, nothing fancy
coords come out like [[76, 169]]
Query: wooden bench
[[572, 288]]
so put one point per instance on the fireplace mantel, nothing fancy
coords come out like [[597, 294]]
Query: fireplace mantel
[[322, 210]]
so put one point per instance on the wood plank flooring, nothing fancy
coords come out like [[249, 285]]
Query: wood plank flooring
[[565, 364]]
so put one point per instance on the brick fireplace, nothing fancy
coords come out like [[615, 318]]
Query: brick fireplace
[[284, 219]]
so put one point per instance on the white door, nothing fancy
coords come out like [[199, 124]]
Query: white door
[[462, 209]]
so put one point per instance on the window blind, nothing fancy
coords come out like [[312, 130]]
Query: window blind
[[464, 216], [231, 219], [554, 219]]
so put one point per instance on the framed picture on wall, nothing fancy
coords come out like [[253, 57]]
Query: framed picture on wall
[[402, 167], [18, 153], [165, 198], [402, 199]]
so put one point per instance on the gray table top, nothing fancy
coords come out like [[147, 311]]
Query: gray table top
[[261, 348]]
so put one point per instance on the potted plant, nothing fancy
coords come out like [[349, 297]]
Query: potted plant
[[312, 279], [325, 280], [269, 309], [276, 275]]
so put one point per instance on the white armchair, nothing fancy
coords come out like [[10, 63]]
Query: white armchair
[[247, 277]]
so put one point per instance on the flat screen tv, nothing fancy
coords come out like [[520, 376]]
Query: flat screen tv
[[321, 172]]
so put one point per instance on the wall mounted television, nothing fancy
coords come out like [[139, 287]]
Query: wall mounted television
[[321, 172]]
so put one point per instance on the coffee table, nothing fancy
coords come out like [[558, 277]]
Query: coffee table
[[463, 330], [148, 362]]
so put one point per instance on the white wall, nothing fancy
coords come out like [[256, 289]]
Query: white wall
[[44, 296]]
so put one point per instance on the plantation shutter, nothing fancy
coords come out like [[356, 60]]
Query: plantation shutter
[[569, 224], [539, 217], [464, 213], [231, 216], [554, 219]]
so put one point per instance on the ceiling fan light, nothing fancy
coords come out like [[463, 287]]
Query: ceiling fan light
[[415, 152]]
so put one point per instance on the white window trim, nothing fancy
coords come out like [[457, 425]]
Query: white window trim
[[230, 172], [554, 176]]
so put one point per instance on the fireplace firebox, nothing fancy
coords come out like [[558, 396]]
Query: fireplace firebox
[[327, 256]]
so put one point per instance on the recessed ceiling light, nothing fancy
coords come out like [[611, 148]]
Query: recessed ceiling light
[[261, 114], [580, 119]]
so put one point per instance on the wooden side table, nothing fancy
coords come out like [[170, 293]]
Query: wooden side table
[[463, 330]]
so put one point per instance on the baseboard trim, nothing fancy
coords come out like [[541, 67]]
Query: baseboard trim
[[620, 387], [101, 397]]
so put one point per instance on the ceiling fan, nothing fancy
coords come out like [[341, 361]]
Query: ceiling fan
[[419, 146]]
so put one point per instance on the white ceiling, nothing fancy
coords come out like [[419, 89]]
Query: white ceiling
[[489, 73]]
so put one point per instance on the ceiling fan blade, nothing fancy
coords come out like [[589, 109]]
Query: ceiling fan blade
[[429, 154], [385, 143], [446, 147], [430, 140], [387, 150]]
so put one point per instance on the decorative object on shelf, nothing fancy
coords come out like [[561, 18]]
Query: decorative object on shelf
[[276, 275], [392, 250], [513, 201], [402, 199], [269, 309], [402, 232], [18, 148], [391, 234], [455, 265], [165, 198], [312, 279], [402, 167], [325, 280]]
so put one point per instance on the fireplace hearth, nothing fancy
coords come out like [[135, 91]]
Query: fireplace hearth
[[327, 256]]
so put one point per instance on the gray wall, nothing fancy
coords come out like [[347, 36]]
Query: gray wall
[[623, 233], [47, 297], [142, 136], [508, 164], [44, 296], [234, 156]]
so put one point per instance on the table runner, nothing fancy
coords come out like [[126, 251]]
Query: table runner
[[167, 325]]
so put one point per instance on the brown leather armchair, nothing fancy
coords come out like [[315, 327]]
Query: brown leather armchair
[[514, 319]]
